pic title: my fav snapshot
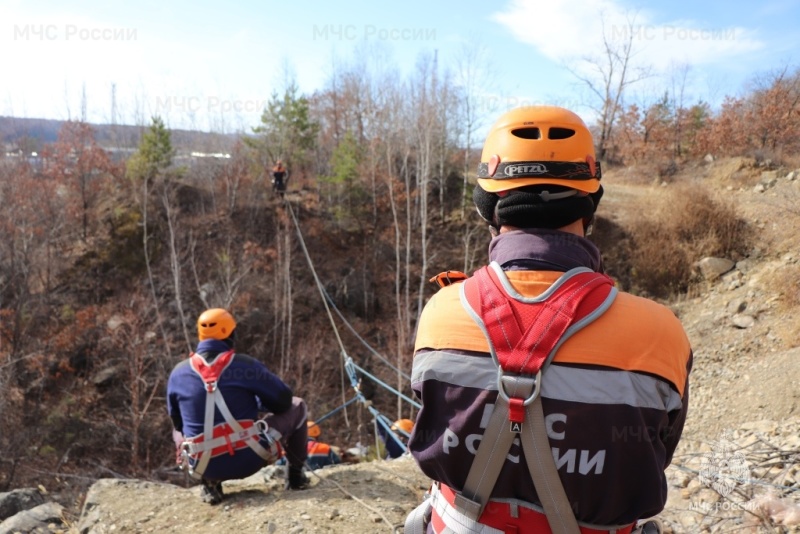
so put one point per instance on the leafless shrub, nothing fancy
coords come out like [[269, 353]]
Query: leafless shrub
[[687, 225]]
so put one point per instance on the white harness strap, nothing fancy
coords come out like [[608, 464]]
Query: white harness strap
[[455, 521], [418, 518], [195, 446]]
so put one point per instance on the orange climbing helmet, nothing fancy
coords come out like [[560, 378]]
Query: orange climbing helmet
[[406, 425], [314, 430], [215, 323], [539, 145]]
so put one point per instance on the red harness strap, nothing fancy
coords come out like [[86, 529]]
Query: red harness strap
[[224, 430], [524, 332], [211, 373], [499, 515]]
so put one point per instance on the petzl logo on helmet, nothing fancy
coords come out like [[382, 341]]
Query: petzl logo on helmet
[[525, 170]]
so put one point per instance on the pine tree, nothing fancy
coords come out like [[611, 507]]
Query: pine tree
[[287, 131]]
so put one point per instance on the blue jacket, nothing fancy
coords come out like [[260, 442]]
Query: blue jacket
[[249, 389], [393, 449]]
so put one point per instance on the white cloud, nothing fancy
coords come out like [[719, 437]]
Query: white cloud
[[564, 30], [57, 56]]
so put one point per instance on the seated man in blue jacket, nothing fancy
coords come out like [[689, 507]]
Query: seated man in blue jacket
[[214, 399]]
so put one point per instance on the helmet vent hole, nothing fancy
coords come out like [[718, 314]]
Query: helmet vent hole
[[560, 133], [527, 133]]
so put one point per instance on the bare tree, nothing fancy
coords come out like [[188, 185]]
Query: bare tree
[[150, 167], [424, 88], [143, 382], [174, 256], [473, 78], [679, 77], [608, 75]]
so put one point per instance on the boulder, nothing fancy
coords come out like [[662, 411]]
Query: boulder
[[712, 268], [109, 375], [18, 500], [115, 322], [37, 519], [769, 178], [741, 320], [746, 265]]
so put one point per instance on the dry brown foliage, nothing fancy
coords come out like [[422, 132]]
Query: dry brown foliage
[[677, 228]]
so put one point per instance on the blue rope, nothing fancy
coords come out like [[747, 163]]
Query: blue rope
[[381, 420], [327, 415], [406, 398]]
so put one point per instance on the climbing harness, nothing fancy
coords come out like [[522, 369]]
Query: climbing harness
[[524, 334], [229, 436]]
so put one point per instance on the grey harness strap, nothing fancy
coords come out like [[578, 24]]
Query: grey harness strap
[[491, 456]]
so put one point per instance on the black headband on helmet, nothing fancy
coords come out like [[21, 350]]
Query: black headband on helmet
[[536, 206]]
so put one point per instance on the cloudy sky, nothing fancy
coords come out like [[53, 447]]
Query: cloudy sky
[[213, 65]]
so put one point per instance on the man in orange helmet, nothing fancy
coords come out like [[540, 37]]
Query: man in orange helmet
[[551, 401], [278, 177], [319, 454], [214, 399], [396, 438]]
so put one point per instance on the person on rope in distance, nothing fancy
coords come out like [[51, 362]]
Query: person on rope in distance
[[278, 177], [319, 454], [402, 429], [614, 397], [245, 389]]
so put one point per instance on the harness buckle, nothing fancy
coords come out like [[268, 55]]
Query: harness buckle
[[523, 387], [272, 436], [524, 390], [186, 455], [211, 387]]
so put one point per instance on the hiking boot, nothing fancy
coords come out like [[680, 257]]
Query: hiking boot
[[296, 479], [211, 492]]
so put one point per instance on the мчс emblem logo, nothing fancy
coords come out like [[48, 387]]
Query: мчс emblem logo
[[724, 467]]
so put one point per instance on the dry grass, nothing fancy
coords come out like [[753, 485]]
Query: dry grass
[[673, 228]]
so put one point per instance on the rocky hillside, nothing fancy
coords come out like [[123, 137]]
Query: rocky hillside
[[744, 420]]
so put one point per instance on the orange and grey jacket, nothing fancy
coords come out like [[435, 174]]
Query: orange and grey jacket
[[615, 397], [321, 454]]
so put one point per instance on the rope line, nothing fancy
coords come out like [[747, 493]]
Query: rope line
[[335, 410], [348, 366], [364, 342], [316, 278], [381, 419], [380, 382], [321, 293]]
